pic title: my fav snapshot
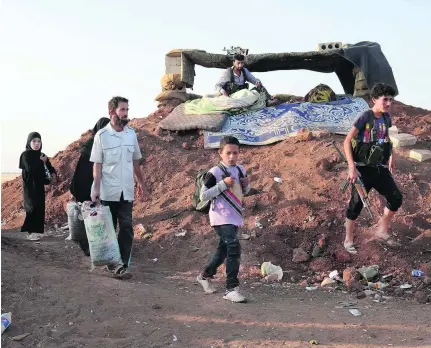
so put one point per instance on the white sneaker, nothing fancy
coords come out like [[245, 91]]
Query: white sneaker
[[69, 237], [234, 296], [206, 284], [33, 237]]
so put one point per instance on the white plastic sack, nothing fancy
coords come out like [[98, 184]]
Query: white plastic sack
[[101, 235], [75, 222], [6, 320], [271, 272]]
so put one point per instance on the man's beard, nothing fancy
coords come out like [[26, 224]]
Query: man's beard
[[121, 122]]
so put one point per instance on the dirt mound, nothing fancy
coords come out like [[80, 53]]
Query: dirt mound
[[308, 204]]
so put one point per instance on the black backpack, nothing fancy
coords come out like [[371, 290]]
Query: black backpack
[[204, 206]]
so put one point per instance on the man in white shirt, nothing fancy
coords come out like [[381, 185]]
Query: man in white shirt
[[116, 156]]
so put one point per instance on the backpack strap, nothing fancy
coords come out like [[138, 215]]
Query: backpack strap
[[224, 170]]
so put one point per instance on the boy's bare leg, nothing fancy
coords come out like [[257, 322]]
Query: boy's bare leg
[[350, 225], [383, 227]]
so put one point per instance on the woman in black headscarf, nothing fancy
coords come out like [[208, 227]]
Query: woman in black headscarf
[[82, 179], [37, 172]]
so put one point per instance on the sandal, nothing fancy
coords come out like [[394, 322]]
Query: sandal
[[389, 241], [121, 272], [350, 248]]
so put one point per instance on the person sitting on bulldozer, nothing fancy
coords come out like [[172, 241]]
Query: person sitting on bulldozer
[[235, 78]]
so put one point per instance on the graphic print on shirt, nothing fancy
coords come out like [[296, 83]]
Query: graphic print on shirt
[[233, 198]]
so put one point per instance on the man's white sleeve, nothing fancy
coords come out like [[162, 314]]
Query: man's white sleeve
[[96, 151]]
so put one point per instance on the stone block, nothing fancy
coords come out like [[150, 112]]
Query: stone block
[[393, 130], [420, 155], [403, 139], [329, 46]]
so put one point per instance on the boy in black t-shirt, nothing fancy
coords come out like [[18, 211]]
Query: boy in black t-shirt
[[369, 156]]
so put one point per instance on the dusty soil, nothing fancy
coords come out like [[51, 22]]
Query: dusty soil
[[54, 296], [307, 206], [8, 177]]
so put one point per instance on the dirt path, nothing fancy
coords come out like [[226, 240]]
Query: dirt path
[[52, 295]]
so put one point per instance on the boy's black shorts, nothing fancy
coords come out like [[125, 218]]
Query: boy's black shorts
[[379, 178]]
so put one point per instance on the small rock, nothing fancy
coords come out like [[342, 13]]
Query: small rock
[[323, 134], [349, 275], [323, 164], [304, 135], [253, 234], [342, 255], [321, 243], [245, 236], [168, 138], [399, 292], [426, 268], [299, 255], [421, 297], [369, 292], [378, 297], [320, 264], [354, 285], [304, 283], [361, 295], [393, 282]]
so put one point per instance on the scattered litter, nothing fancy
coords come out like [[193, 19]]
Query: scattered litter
[[70, 323], [346, 304], [311, 288], [6, 320], [174, 338], [253, 234], [141, 232], [369, 272], [378, 285], [245, 236], [406, 286], [335, 275], [271, 272], [258, 224], [387, 276], [193, 248], [328, 282], [417, 273], [279, 180], [182, 233], [154, 260], [355, 312], [64, 228], [314, 342], [20, 337]]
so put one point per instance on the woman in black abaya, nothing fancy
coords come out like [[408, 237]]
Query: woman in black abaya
[[82, 179], [37, 172]]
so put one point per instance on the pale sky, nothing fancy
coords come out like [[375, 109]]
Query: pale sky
[[62, 60]]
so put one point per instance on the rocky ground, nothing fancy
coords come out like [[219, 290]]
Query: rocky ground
[[307, 208]]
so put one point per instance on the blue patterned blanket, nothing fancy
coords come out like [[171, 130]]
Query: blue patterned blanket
[[272, 124]]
